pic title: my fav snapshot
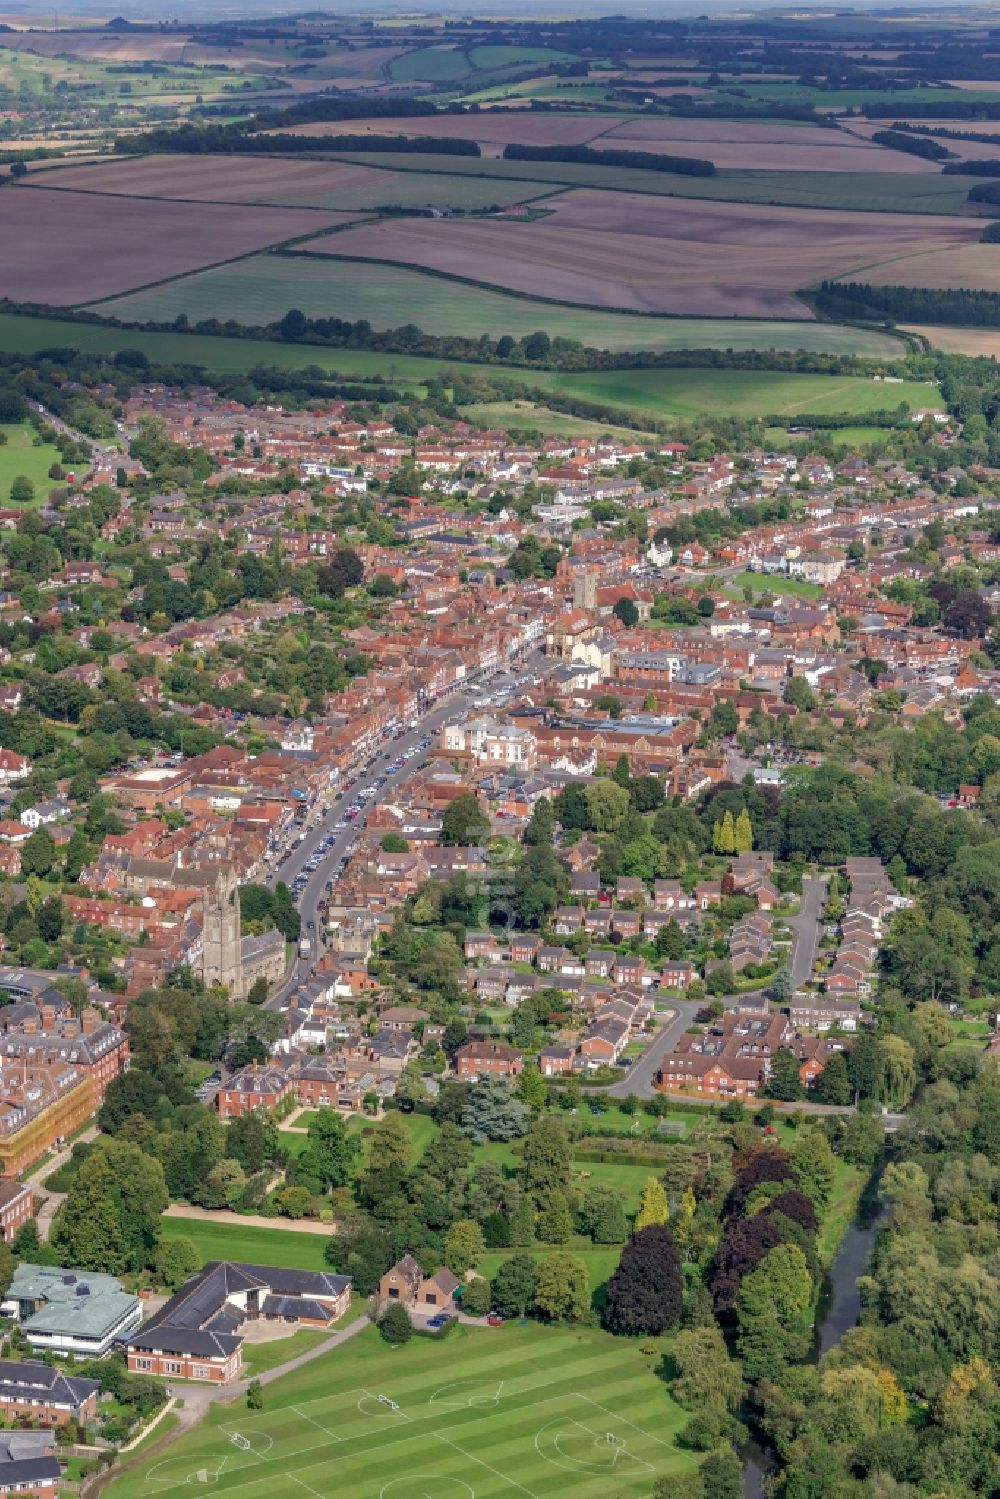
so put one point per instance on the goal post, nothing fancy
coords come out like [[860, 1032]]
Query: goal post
[[240, 1441]]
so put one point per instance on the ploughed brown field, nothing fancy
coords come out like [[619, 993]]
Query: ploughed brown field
[[650, 254], [747, 146], [226, 179], [528, 128], [964, 150], [64, 248], [973, 266]]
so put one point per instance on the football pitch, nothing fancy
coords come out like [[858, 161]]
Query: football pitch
[[488, 1413]]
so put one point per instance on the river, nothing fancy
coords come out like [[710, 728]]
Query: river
[[838, 1311]]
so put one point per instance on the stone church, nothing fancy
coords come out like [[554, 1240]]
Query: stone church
[[227, 958]]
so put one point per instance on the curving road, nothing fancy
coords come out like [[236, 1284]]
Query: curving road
[[806, 926]]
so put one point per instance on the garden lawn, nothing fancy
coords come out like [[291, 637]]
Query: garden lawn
[[490, 1413], [254, 1246], [18, 455]]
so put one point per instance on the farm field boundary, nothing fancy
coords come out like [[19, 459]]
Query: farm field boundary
[[261, 289]]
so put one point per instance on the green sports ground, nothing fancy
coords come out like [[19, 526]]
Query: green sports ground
[[490, 1412]]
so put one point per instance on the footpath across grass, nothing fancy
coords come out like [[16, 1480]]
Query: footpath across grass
[[490, 1412]]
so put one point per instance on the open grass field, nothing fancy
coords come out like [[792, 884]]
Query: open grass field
[[290, 182], [492, 1412], [18, 455], [863, 192], [647, 254], [430, 65], [61, 249], [689, 393], [254, 1246], [262, 288], [258, 1357], [765, 583]]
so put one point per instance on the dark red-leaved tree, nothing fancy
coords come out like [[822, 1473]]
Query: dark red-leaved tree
[[798, 1207], [745, 1241], [646, 1291], [764, 1166]]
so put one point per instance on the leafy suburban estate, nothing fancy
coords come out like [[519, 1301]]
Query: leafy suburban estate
[[499, 755]]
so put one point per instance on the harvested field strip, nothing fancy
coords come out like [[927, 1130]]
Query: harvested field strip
[[887, 192], [281, 181], [841, 156], [66, 250], [542, 129], [973, 267], [261, 289], [977, 342]]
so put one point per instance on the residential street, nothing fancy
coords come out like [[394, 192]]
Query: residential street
[[806, 925], [297, 858]]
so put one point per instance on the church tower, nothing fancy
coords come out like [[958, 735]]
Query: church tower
[[585, 589], [220, 961]]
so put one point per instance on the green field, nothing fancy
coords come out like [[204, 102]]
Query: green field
[[262, 288], [430, 65], [685, 393], [486, 58], [18, 455], [690, 393], [258, 1357], [492, 1412], [253, 1246], [885, 192], [513, 416], [766, 583]]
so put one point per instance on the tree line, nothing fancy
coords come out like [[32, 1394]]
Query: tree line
[[221, 140], [918, 304], [647, 161], [898, 140]]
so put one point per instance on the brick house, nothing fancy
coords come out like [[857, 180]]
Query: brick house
[[255, 1087], [15, 1207], [425, 1294], [488, 1059], [555, 1061], [33, 1390], [678, 975]]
